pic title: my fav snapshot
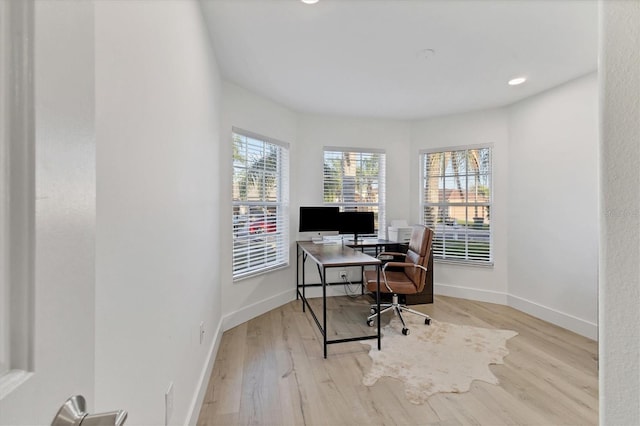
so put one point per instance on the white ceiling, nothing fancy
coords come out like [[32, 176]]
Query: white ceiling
[[367, 57]]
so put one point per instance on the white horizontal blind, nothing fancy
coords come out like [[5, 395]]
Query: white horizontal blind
[[354, 180], [260, 204], [456, 203]]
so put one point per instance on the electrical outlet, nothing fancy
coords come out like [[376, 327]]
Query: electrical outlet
[[168, 404], [343, 275], [201, 332]]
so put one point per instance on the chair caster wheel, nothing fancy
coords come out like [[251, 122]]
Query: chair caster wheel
[[427, 321], [370, 323], [373, 311], [405, 331]]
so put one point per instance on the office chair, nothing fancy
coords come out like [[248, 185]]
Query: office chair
[[410, 280]]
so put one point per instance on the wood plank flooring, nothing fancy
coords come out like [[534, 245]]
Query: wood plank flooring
[[270, 371]]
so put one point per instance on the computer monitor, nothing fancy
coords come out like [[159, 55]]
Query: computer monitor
[[318, 219], [356, 223]]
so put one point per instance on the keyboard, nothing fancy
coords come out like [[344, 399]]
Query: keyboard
[[327, 242]]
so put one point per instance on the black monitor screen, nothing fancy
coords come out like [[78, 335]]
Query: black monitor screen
[[356, 223], [318, 219]]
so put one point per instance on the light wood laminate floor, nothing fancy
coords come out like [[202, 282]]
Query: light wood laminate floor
[[270, 371]]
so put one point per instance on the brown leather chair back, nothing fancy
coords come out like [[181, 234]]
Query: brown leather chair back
[[418, 253]]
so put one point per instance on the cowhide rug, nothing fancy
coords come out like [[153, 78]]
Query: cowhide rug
[[441, 357]]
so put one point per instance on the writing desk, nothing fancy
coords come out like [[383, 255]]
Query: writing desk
[[331, 256]]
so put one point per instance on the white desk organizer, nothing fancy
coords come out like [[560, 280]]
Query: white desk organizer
[[399, 231]]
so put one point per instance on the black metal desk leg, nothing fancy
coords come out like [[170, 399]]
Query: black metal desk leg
[[304, 294], [378, 303], [324, 309], [297, 271]]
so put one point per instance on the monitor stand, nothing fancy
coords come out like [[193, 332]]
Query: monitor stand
[[320, 237]]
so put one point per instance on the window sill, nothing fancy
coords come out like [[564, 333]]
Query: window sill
[[464, 263], [254, 274], [11, 380]]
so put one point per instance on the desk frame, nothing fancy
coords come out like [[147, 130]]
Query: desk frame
[[326, 257], [378, 245]]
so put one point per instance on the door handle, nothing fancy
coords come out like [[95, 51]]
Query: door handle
[[72, 413]]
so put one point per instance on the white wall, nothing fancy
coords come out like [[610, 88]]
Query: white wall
[[253, 296], [318, 131], [483, 127], [158, 245], [620, 213], [64, 266], [553, 217], [543, 265]]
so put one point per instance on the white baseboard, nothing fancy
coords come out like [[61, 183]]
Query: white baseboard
[[561, 319], [247, 313], [470, 293], [203, 381]]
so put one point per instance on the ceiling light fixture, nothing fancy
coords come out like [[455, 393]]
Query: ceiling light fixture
[[517, 80], [426, 53], [309, 1]]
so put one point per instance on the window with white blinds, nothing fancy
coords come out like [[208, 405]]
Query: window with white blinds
[[354, 181], [260, 204], [456, 203]]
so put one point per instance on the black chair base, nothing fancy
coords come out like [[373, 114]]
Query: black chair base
[[398, 308]]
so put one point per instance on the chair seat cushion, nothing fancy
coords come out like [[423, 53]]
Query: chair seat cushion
[[398, 281]]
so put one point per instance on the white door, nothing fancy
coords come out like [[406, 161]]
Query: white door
[[48, 62]]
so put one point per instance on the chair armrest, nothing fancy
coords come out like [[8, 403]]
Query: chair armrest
[[397, 264], [421, 267], [390, 255], [403, 265]]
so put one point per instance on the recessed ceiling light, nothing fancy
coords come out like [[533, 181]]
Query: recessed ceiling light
[[517, 80], [310, 1], [426, 53]]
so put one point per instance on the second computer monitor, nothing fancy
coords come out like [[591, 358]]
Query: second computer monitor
[[356, 223]]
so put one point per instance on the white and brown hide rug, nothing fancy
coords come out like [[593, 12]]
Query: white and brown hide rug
[[440, 357]]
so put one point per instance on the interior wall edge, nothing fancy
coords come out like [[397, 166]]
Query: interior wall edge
[[619, 212], [203, 381]]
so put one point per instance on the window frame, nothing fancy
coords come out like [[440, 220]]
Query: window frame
[[5, 345], [17, 197], [466, 231], [259, 244], [381, 185]]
